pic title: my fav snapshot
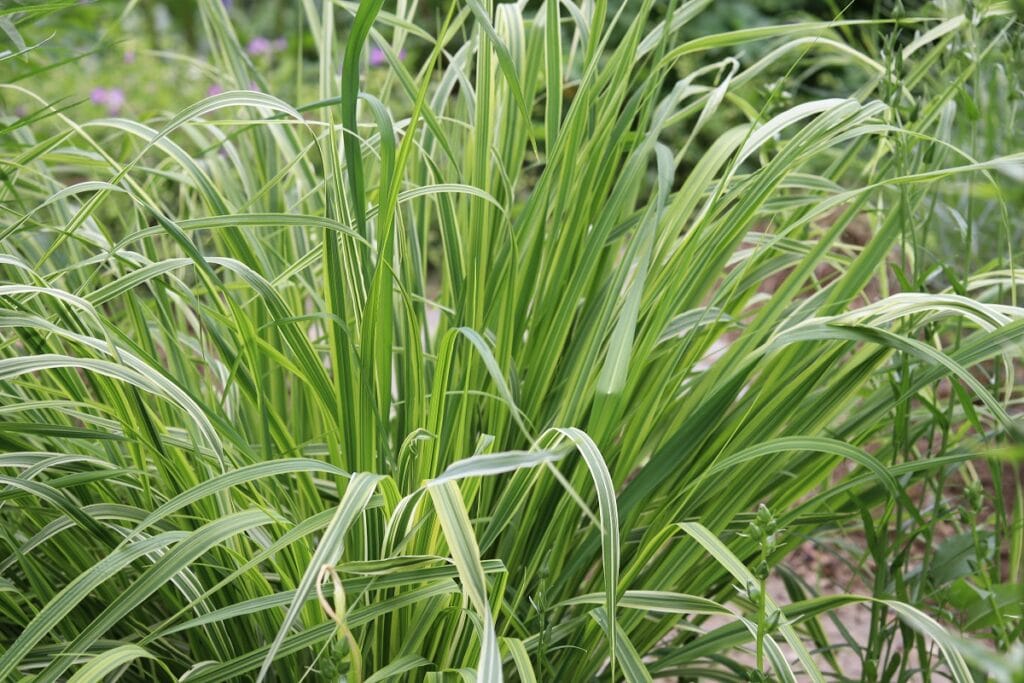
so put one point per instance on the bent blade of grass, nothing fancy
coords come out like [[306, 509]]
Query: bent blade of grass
[[494, 463], [357, 495], [105, 663], [815, 444], [910, 346], [147, 380], [223, 482], [609, 518], [660, 602]]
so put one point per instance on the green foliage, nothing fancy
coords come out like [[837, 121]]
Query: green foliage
[[490, 361]]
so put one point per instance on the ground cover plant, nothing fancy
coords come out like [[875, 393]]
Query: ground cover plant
[[526, 341]]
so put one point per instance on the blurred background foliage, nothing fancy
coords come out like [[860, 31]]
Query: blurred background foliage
[[148, 59]]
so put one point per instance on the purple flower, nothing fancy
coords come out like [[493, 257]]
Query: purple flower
[[214, 89], [228, 4], [378, 58], [111, 98], [129, 56], [259, 46], [115, 101], [264, 46]]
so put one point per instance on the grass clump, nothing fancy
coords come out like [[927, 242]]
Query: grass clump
[[530, 352]]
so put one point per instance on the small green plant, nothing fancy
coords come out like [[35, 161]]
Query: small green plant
[[764, 531]]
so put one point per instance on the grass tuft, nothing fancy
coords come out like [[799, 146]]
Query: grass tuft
[[513, 340]]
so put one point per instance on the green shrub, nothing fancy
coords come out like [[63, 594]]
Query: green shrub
[[481, 363]]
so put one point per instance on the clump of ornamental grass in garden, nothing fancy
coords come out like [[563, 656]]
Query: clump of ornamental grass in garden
[[480, 358]]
